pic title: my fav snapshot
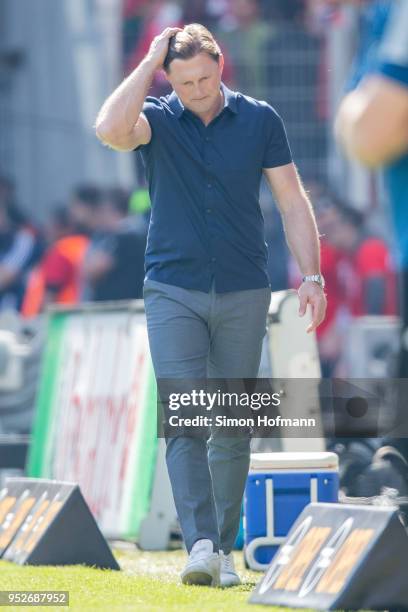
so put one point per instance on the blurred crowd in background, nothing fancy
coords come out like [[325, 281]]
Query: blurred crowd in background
[[91, 247]]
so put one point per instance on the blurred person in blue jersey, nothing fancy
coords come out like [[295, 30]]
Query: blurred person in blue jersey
[[372, 126], [206, 289], [372, 20]]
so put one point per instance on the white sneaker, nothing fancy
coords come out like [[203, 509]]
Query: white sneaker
[[229, 576], [203, 565]]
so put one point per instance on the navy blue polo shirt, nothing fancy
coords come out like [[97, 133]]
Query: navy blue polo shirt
[[204, 182]]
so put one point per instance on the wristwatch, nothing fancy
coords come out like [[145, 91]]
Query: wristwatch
[[316, 278]]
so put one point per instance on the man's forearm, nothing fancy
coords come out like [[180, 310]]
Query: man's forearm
[[302, 235], [120, 112]]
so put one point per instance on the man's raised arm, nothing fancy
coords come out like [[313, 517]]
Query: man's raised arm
[[120, 122]]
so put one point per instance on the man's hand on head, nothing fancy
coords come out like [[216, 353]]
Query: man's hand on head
[[312, 293], [160, 46]]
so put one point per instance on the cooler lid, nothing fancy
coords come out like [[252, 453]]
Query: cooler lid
[[293, 461]]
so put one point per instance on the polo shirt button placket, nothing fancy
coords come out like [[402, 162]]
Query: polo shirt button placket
[[209, 210]]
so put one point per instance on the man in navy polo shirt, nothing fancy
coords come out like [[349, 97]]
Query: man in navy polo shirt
[[206, 288]]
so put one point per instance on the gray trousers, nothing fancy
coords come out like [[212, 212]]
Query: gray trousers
[[193, 334]]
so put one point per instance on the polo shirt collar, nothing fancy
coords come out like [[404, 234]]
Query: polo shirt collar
[[230, 101], [230, 98], [176, 104]]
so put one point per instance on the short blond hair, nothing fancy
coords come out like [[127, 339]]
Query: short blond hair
[[192, 40]]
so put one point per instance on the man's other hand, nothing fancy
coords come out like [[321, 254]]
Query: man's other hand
[[311, 293]]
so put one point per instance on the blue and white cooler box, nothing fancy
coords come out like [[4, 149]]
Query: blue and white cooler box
[[279, 486]]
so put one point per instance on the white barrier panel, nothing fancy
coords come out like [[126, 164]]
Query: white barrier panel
[[96, 412]]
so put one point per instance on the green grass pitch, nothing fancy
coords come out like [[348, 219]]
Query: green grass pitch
[[149, 581]]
